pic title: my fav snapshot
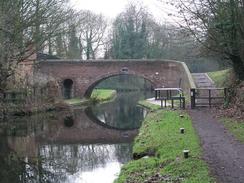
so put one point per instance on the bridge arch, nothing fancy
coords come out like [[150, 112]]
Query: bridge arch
[[86, 74], [98, 80]]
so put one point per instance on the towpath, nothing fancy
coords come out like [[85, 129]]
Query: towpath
[[223, 153]]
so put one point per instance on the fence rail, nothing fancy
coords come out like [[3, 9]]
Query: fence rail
[[208, 97], [170, 94]]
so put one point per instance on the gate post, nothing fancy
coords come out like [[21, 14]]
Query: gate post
[[225, 94], [155, 94], [193, 98]]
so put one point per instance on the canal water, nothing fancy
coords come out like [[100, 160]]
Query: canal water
[[91, 148]]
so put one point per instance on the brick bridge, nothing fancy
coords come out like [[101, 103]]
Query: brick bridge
[[78, 78]]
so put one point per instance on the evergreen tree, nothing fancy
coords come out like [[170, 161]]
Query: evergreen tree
[[130, 34], [73, 48]]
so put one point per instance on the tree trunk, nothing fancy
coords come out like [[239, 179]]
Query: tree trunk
[[81, 48], [88, 52], [93, 54], [37, 26], [50, 52], [238, 66]]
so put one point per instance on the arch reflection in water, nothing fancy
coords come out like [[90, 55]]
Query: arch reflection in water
[[41, 150], [123, 112], [47, 151]]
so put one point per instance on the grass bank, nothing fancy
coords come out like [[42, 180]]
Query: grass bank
[[148, 105], [220, 78], [98, 95], [77, 101], [102, 95], [160, 140]]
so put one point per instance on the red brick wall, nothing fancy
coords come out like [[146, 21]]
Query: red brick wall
[[25, 68], [85, 73]]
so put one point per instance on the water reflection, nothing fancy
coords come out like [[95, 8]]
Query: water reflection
[[124, 112], [42, 148], [68, 147], [85, 163], [66, 164]]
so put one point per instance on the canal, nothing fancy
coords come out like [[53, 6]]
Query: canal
[[76, 146]]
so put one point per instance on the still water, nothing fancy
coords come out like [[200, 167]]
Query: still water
[[47, 151], [85, 163], [123, 112], [42, 148]]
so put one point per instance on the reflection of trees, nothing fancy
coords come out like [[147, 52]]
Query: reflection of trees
[[56, 162], [123, 112], [123, 152], [69, 159], [27, 125], [16, 169], [9, 168]]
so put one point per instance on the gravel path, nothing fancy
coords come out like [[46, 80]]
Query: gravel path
[[224, 154]]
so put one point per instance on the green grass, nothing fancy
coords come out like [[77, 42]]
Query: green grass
[[149, 105], [220, 78], [160, 135], [98, 95], [76, 101], [101, 95], [235, 127]]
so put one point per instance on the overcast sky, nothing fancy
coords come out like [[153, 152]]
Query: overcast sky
[[111, 8]]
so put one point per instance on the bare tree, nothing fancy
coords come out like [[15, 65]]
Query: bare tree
[[25, 27], [92, 30], [218, 25]]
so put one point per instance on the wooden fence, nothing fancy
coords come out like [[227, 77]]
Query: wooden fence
[[170, 94], [208, 97]]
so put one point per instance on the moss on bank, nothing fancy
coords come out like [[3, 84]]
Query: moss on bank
[[162, 143]]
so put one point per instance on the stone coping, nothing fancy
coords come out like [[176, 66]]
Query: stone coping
[[107, 60], [188, 73]]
